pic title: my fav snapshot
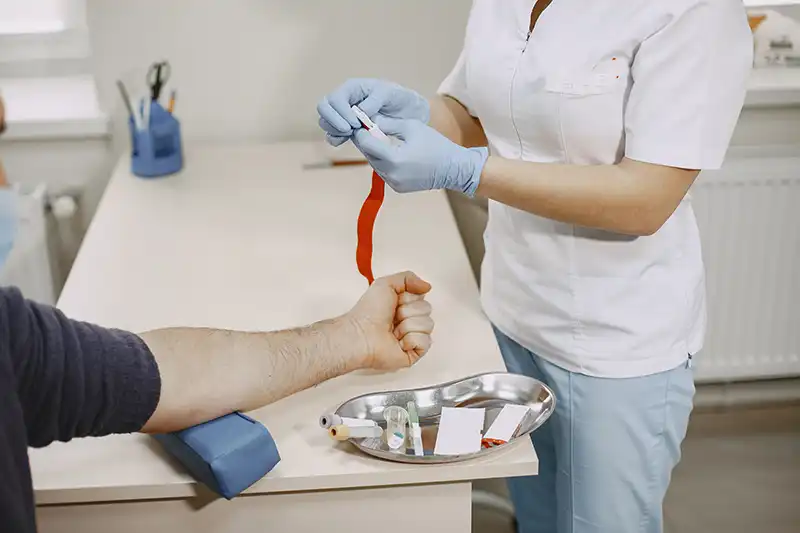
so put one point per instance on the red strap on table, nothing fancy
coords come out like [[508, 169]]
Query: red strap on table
[[366, 225]]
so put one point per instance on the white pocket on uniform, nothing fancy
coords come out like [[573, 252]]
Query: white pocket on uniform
[[591, 103], [607, 76]]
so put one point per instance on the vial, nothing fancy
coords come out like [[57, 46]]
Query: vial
[[396, 425], [368, 124]]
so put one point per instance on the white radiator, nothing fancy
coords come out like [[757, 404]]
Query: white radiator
[[749, 219], [28, 265], [44, 247]]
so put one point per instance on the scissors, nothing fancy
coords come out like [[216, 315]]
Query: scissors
[[157, 77]]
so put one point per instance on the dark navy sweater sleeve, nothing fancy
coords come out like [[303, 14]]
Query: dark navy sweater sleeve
[[75, 379]]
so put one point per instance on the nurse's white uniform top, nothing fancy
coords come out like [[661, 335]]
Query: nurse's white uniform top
[[659, 81]]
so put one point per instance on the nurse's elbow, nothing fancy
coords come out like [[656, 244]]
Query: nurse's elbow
[[647, 224], [634, 230], [647, 231]]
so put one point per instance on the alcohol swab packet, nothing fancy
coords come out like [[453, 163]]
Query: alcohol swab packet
[[506, 422]]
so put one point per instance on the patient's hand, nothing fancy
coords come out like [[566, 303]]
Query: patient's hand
[[395, 320]]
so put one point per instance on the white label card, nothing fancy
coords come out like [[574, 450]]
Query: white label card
[[507, 422], [459, 431]]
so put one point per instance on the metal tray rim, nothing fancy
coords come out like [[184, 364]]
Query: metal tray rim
[[398, 458], [449, 383]]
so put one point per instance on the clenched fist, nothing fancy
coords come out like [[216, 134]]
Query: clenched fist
[[395, 320]]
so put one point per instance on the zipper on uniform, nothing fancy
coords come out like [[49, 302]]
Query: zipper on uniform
[[511, 96]]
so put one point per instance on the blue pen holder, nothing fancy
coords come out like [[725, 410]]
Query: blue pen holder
[[156, 151]]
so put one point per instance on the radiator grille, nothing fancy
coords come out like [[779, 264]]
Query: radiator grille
[[749, 219]]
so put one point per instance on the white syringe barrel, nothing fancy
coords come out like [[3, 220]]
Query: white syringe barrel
[[332, 419], [342, 432]]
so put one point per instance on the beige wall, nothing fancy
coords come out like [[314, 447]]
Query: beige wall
[[255, 69]]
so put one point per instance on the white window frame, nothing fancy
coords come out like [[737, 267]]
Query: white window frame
[[69, 40]]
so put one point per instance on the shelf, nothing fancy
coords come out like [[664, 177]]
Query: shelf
[[770, 87], [770, 3]]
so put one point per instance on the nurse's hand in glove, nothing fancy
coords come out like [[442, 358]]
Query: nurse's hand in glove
[[421, 158], [394, 322], [374, 97]]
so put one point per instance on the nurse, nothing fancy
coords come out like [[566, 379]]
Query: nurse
[[584, 124]]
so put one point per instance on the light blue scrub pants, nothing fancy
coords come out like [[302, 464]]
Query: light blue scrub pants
[[606, 454]]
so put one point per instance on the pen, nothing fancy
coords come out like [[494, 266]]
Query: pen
[[146, 105], [126, 98], [171, 105], [335, 163]]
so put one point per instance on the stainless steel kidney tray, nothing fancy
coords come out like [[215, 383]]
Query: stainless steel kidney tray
[[491, 391]]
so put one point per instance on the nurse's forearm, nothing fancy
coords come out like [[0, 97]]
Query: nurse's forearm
[[452, 120], [631, 197]]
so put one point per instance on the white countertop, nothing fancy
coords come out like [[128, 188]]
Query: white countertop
[[245, 238]]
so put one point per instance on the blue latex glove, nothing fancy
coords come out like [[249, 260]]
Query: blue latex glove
[[373, 97], [421, 159], [8, 222]]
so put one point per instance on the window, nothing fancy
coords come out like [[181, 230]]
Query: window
[[45, 70], [36, 30], [42, 16]]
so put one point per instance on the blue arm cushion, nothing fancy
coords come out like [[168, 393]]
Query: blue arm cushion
[[227, 454]]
